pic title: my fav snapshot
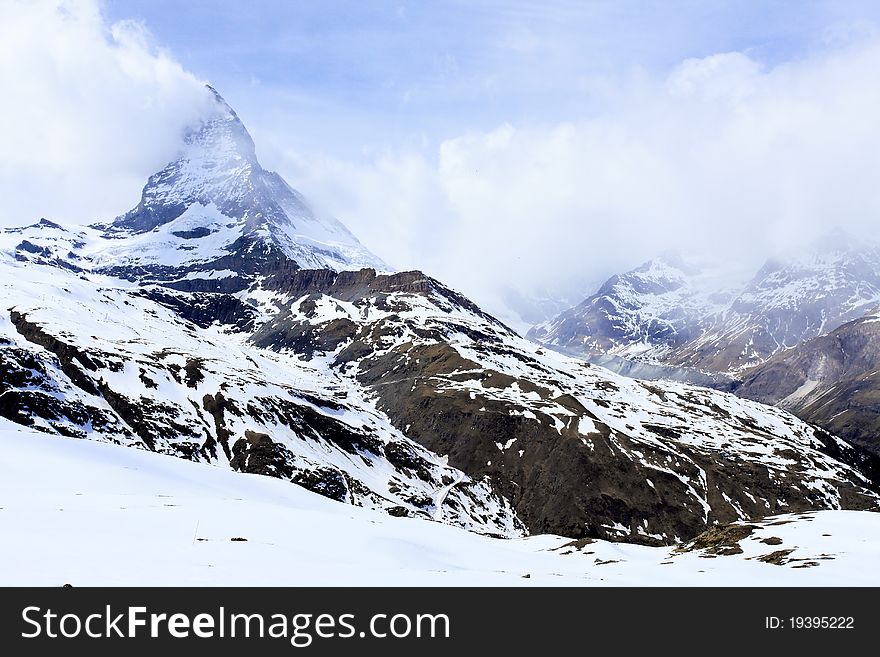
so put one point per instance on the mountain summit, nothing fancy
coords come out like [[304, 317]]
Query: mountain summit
[[216, 200]]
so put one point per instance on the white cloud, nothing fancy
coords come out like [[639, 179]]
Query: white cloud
[[721, 156], [89, 110]]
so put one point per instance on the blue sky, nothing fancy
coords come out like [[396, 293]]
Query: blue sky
[[353, 75]]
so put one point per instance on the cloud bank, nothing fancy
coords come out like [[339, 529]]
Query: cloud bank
[[89, 111], [721, 157]]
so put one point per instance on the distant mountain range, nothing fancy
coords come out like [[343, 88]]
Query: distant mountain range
[[798, 334], [667, 311]]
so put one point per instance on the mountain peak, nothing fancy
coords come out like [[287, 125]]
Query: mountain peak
[[221, 135], [219, 99], [216, 187]]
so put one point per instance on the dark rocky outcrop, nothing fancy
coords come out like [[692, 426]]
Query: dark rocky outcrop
[[356, 286], [560, 483], [73, 361], [257, 453], [205, 308]]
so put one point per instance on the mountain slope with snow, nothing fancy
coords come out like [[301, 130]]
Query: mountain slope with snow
[[339, 380], [383, 390], [832, 380], [578, 450], [89, 356], [215, 203]]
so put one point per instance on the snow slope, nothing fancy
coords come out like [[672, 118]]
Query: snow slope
[[81, 512], [381, 390], [91, 356]]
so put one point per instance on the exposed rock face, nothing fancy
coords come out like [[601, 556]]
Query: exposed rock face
[[205, 309], [832, 380], [577, 450]]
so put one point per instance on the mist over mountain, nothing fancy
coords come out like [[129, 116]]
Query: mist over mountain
[[721, 149], [671, 311]]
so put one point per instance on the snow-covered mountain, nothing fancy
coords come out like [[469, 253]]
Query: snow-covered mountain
[[646, 312], [383, 390], [214, 208], [791, 299], [393, 392], [668, 313]]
